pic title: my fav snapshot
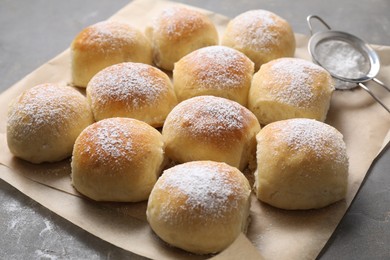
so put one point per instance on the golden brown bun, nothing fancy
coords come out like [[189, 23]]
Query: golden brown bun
[[117, 159], [200, 206], [133, 90], [178, 31], [44, 122], [289, 88], [302, 164], [211, 128], [261, 35], [215, 70], [103, 44]]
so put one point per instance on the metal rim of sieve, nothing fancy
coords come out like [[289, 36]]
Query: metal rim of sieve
[[359, 45], [355, 42]]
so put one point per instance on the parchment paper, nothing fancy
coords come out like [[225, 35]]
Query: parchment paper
[[273, 233]]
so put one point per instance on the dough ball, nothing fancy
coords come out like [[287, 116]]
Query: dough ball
[[215, 70], [117, 159], [178, 31], [200, 206], [133, 90], [261, 35], [211, 128], [44, 122], [106, 43], [302, 164], [289, 88]]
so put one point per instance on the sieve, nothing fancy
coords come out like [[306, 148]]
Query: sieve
[[349, 60]]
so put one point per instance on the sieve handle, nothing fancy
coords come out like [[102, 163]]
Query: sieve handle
[[374, 97], [311, 17], [381, 83]]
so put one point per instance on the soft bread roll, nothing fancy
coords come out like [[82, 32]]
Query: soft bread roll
[[211, 128], [117, 159], [302, 164], [289, 88], [106, 43], [261, 35], [44, 122], [215, 70], [200, 206], [133, 90], [178, 31]]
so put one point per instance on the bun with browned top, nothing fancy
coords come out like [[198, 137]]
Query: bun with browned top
[[178, 31], [44, 122], [216, 70], [261, 35], [117, 159], [301, 164], [211, 128], [290, 88], [200, 206], [103, 44], [132, 90]]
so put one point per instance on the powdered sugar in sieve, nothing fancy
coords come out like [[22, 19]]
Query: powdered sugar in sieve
[[346, 57]]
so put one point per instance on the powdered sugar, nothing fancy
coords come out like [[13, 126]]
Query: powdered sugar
[[43, 106], [110, 35], [176, 21], [255, 29], [342, 59], [113, 140], [21, 218], [107, 141], [134, 84], [209, 116], [295, 78], [312, 136], [208, 189], [31, 232], [219, 67]]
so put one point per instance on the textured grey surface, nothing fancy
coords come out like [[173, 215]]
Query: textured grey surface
[[32, 32], [364, 232]]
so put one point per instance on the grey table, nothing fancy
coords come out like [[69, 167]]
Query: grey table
[[32, 32]]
